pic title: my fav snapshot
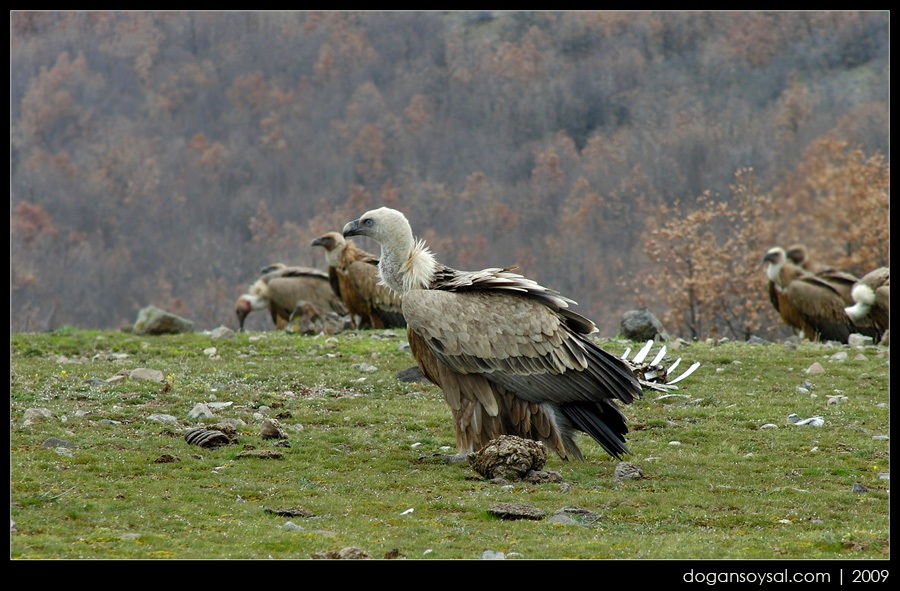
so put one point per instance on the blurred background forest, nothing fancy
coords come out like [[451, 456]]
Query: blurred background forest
[[626, 159]]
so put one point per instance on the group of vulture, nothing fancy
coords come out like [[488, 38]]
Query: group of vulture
[[510, 355], [825, 304], [350, 286]]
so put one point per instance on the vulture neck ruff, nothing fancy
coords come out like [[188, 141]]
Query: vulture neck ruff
[[406, 263]]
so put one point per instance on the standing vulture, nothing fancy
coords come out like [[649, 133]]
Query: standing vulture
[[354, 277], [810, 303], [509, 355], [280, 288], [872, 299]]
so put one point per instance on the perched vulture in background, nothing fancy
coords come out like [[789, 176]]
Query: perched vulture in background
[[872, 299], [810, 303], [786, 310], [354, 277], [508, 353], [280, 288], [799, 255]]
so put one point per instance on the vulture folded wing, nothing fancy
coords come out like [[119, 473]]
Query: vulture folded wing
[[493, 350], [288, 286], [841, 281], [283, 271]]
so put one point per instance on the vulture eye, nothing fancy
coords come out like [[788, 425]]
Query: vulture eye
[[368, 222]]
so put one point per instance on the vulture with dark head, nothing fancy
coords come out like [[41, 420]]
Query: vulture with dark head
[[872, 300], [809, 302], [280, 287], [354, 277], [799, 255], [508, 353]]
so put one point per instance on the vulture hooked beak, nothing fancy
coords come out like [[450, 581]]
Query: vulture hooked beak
[[352, 229], [318, 242], [771, 257]]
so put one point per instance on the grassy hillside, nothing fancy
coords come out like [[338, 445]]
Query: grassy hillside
[[726, 474]]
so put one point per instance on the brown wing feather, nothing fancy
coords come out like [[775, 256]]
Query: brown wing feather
[[381, 303], [821, 304], [283, 292], [354, 301]]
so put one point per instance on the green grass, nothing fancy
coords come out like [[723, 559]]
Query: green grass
[[361, 445]]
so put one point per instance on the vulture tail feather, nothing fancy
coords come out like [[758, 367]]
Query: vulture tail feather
[[603, 421]]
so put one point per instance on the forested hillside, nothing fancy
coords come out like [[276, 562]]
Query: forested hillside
[[624, 159]]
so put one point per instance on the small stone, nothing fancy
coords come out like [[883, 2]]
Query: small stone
[[272, 429], [201, 411], [143, 373], [56, 442], [513, 511], [815, 368], [627, 471]]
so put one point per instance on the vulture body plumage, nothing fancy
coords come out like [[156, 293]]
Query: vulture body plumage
[[872, 300], [809, 302], [509, 355], [354, 277], [281, 287], [842, 281]]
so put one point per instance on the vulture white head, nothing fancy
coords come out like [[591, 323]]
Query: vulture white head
[[776, 259], [405, 263], [249, 302]]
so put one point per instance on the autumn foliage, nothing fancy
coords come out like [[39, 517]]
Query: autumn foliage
[[624, 159]]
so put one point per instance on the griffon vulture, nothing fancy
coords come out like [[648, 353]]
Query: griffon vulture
[[354, 277], [808, 302], [508, 353], [280, 288], [872, 299]]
